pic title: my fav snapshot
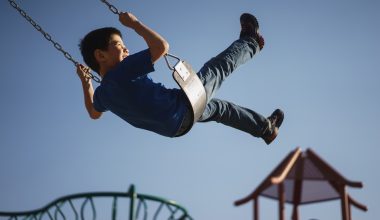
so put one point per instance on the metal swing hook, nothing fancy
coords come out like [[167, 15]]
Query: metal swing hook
[[167, 60], [111, 7]]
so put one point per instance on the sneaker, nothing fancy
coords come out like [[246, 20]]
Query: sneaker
[[275, 121], [250, 28]]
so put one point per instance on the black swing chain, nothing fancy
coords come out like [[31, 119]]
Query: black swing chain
[[117, 12], [49, 38]]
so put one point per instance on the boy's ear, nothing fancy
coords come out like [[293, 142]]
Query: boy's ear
[[99, 55]]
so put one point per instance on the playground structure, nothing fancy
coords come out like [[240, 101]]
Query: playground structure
[[301, 178], [304, 178], [105, 205]]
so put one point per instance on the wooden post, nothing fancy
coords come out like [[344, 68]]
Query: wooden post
[[298, 186], [349, 210], [281, 201], [344, 202], [295, 214], [256, 209]]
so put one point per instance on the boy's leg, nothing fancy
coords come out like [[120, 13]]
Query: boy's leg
[[216, 70], [235, 116], [243, 119]]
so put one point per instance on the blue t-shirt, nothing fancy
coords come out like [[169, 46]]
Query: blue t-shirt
[[131, 94]]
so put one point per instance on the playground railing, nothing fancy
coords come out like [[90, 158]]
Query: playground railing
[[103, 206]]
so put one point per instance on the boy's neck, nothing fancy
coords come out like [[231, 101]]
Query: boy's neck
[[103, 71]]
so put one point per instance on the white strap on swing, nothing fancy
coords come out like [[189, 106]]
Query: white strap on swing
[[190, 84]]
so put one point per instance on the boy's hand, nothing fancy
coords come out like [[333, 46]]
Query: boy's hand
[[82, 72], [128, 19], [88, 91]]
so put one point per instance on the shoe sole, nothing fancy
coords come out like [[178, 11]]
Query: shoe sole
[[280, 118], [246, 17], [249, 18], [279, 121]]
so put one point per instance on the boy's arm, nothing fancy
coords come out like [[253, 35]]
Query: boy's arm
[[158, 46], [88, 91]]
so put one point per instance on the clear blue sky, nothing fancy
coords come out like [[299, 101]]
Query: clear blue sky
[[320, 64]]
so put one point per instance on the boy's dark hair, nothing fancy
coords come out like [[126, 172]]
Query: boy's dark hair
[[96, 39]]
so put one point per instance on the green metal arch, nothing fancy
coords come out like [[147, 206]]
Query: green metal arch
[[138, 207]]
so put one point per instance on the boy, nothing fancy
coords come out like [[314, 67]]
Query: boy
[[128, 91]]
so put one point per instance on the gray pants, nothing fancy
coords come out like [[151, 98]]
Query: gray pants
[[212, 75]]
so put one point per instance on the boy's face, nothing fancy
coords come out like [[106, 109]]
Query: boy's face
[[116, 51]]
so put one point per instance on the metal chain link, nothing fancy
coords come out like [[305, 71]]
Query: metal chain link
[[116, 11], [111, 7], [49, 38]]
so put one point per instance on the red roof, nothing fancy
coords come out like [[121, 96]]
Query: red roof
[[306, 179]]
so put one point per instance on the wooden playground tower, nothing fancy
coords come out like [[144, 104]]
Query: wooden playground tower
[[304, 178]]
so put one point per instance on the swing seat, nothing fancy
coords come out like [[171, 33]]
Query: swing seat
[[192, 86]]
